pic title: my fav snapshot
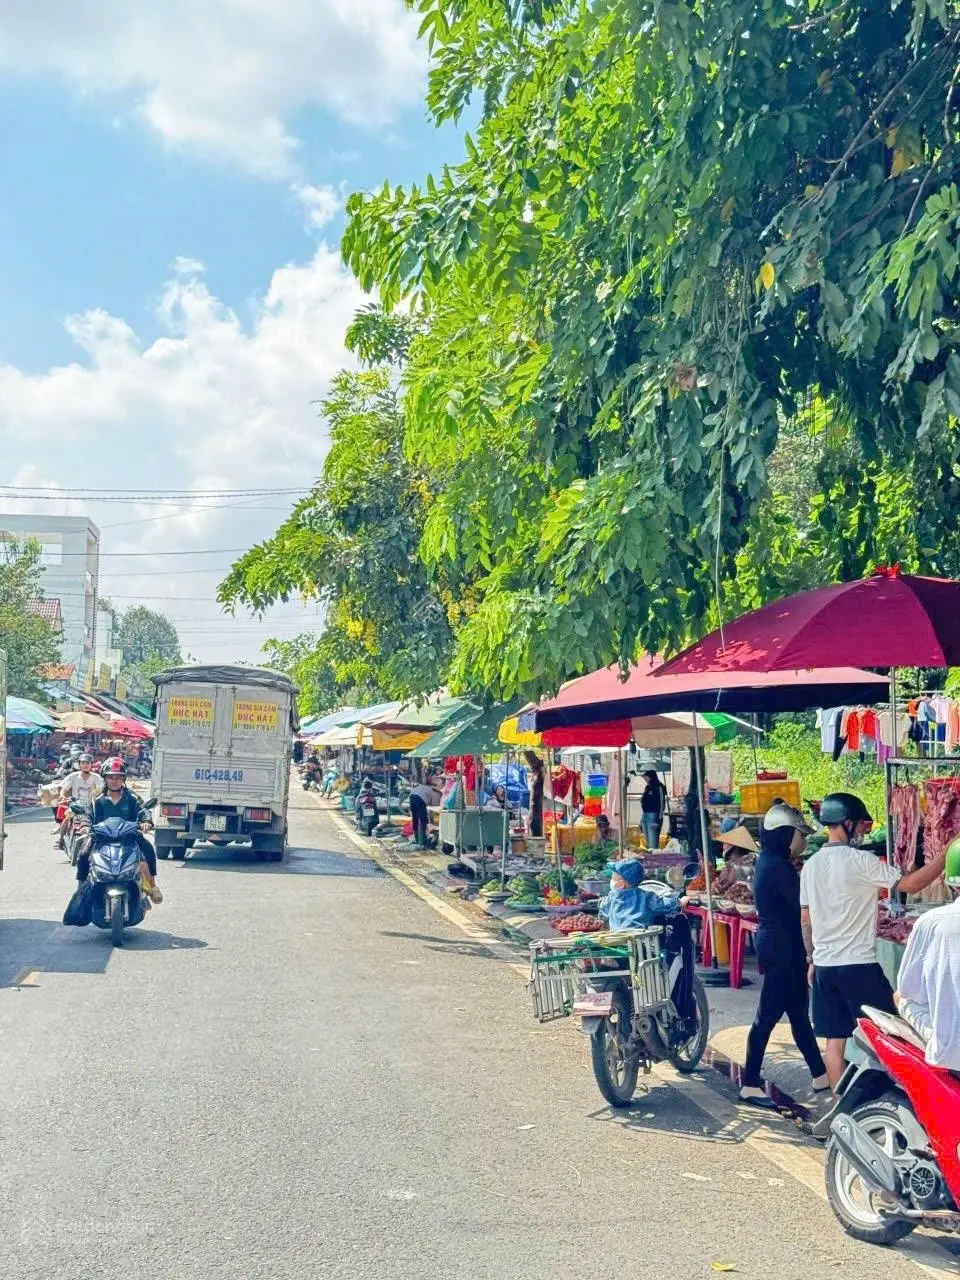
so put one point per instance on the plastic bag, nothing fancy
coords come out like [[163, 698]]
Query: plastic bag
[[79, 909]]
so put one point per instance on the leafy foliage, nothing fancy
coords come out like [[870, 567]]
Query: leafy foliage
[[353, 544], [29, 641], [682, 235], [146, 635]]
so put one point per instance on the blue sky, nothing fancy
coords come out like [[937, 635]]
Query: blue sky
[[170, 279]]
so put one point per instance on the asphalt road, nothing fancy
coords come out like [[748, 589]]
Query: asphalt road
[[304, 1072]]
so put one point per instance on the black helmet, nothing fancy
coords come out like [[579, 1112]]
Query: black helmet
[[840, 807]]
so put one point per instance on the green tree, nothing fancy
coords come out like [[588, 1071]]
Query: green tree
[[29, 641], [353, 545], [145, 635], [681, 233]]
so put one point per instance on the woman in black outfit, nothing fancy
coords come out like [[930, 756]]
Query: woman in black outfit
[[780, 951]]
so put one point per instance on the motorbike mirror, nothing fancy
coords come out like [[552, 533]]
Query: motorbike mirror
[[152, 803]]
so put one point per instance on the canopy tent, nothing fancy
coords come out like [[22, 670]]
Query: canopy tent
[[473, 733], [27, 712], [334, 720], [438, 710], [673, 729], [337, 736], [602, 695], [393, 738]]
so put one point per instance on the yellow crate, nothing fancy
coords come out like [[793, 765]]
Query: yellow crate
[[757, 797]]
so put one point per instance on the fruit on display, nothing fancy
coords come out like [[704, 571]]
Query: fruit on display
[[581, 923], [525, 888], [740, 892]]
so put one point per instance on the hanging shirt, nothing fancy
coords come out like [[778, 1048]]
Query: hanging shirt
[[930, 979], [953, 728], [912, 708], [869, 724], [925, 712], [853, 731], [941, 708], [828, 723]]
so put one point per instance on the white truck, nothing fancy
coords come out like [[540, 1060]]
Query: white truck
[[221, 760]]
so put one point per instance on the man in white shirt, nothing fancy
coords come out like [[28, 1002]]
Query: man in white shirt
[[928, 988], [82, 786], [839, 889]]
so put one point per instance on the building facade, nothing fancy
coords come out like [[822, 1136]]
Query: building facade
[[70, 554]]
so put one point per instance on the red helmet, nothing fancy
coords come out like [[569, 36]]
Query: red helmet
[[113, 768]]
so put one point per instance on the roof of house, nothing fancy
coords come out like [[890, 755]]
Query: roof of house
[[48, 609]]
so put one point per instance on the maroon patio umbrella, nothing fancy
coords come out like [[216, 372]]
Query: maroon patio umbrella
[[603, 695], [887, 620]]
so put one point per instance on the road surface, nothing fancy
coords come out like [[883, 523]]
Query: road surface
[[304, 1072]]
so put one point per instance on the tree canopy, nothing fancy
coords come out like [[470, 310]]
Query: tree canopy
[[28, 640], [682, 233], [353, 545], [149, 642]]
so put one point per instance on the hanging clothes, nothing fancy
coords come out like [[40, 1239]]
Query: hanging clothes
[[828, 721], [853, 729], [613, 800], [941, 708], [953, 728], [869, 730]]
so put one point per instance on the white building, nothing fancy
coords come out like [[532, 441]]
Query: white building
[[71, 560], [108, 660]]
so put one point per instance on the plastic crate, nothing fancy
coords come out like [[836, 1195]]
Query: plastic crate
[[757, 797]]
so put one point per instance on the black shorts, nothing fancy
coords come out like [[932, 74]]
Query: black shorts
[[840, 992]]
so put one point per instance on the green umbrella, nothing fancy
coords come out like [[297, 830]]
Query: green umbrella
[[727, 727], [474, 733]]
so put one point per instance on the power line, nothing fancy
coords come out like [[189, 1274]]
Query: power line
[[122, 493]]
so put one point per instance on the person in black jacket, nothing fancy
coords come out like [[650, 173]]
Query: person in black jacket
[[780, 951], [117, 801]]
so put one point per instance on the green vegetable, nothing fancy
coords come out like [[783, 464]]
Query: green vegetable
[[552, 880]]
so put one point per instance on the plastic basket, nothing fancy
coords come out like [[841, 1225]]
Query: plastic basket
[[757, 797]]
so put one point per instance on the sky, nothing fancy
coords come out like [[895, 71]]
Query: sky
[[172, 299]]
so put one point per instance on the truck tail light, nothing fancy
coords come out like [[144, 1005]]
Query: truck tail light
[[173, 810], [258, 815]]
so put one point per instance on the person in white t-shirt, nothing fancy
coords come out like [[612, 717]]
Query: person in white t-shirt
[[928, 987], [82, 786], [839, 889]]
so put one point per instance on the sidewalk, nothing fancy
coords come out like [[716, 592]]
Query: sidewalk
[[731, 1012]]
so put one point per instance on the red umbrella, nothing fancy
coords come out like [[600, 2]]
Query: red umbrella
[[887, 620], [126, 727], [602, 695]]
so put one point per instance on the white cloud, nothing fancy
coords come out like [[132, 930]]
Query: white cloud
[[225, 77], [212, 403], [320, 205]]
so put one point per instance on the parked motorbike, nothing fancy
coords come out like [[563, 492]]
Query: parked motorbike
[[893, 1159], [367, 812], [628, 997], [116, 899]]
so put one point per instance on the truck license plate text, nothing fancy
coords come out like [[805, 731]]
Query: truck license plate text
[[218, 775]]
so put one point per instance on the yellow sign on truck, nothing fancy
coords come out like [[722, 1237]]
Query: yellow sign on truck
[[255, 717], [184, 712]]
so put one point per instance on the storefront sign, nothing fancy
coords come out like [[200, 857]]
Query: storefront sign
[[190, 711], [256, 717]]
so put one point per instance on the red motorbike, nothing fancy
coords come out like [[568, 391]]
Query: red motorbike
[[893, 1160]]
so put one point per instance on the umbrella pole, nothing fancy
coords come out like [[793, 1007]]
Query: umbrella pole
[[704, 839], [506, 819], [622, 783], [886, 772]]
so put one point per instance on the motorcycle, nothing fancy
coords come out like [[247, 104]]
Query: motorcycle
[[367, 812], [117, 901], [626, 994], [79, 837], [893, 1157]]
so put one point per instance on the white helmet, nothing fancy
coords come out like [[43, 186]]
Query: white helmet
[[785, 815]]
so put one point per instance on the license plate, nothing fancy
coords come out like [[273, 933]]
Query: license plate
[[215, 822], [594, 1004]]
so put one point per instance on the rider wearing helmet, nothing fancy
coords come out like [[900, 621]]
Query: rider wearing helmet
[[930, 974], [81, 785], [780, 950], [119, 802], [839, 887]]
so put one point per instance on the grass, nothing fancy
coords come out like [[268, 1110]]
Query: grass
[[793, 748]]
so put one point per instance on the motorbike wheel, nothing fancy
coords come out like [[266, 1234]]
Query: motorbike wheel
[[850, 1200], [116, 925], [686, 1057], [614, 1066]]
